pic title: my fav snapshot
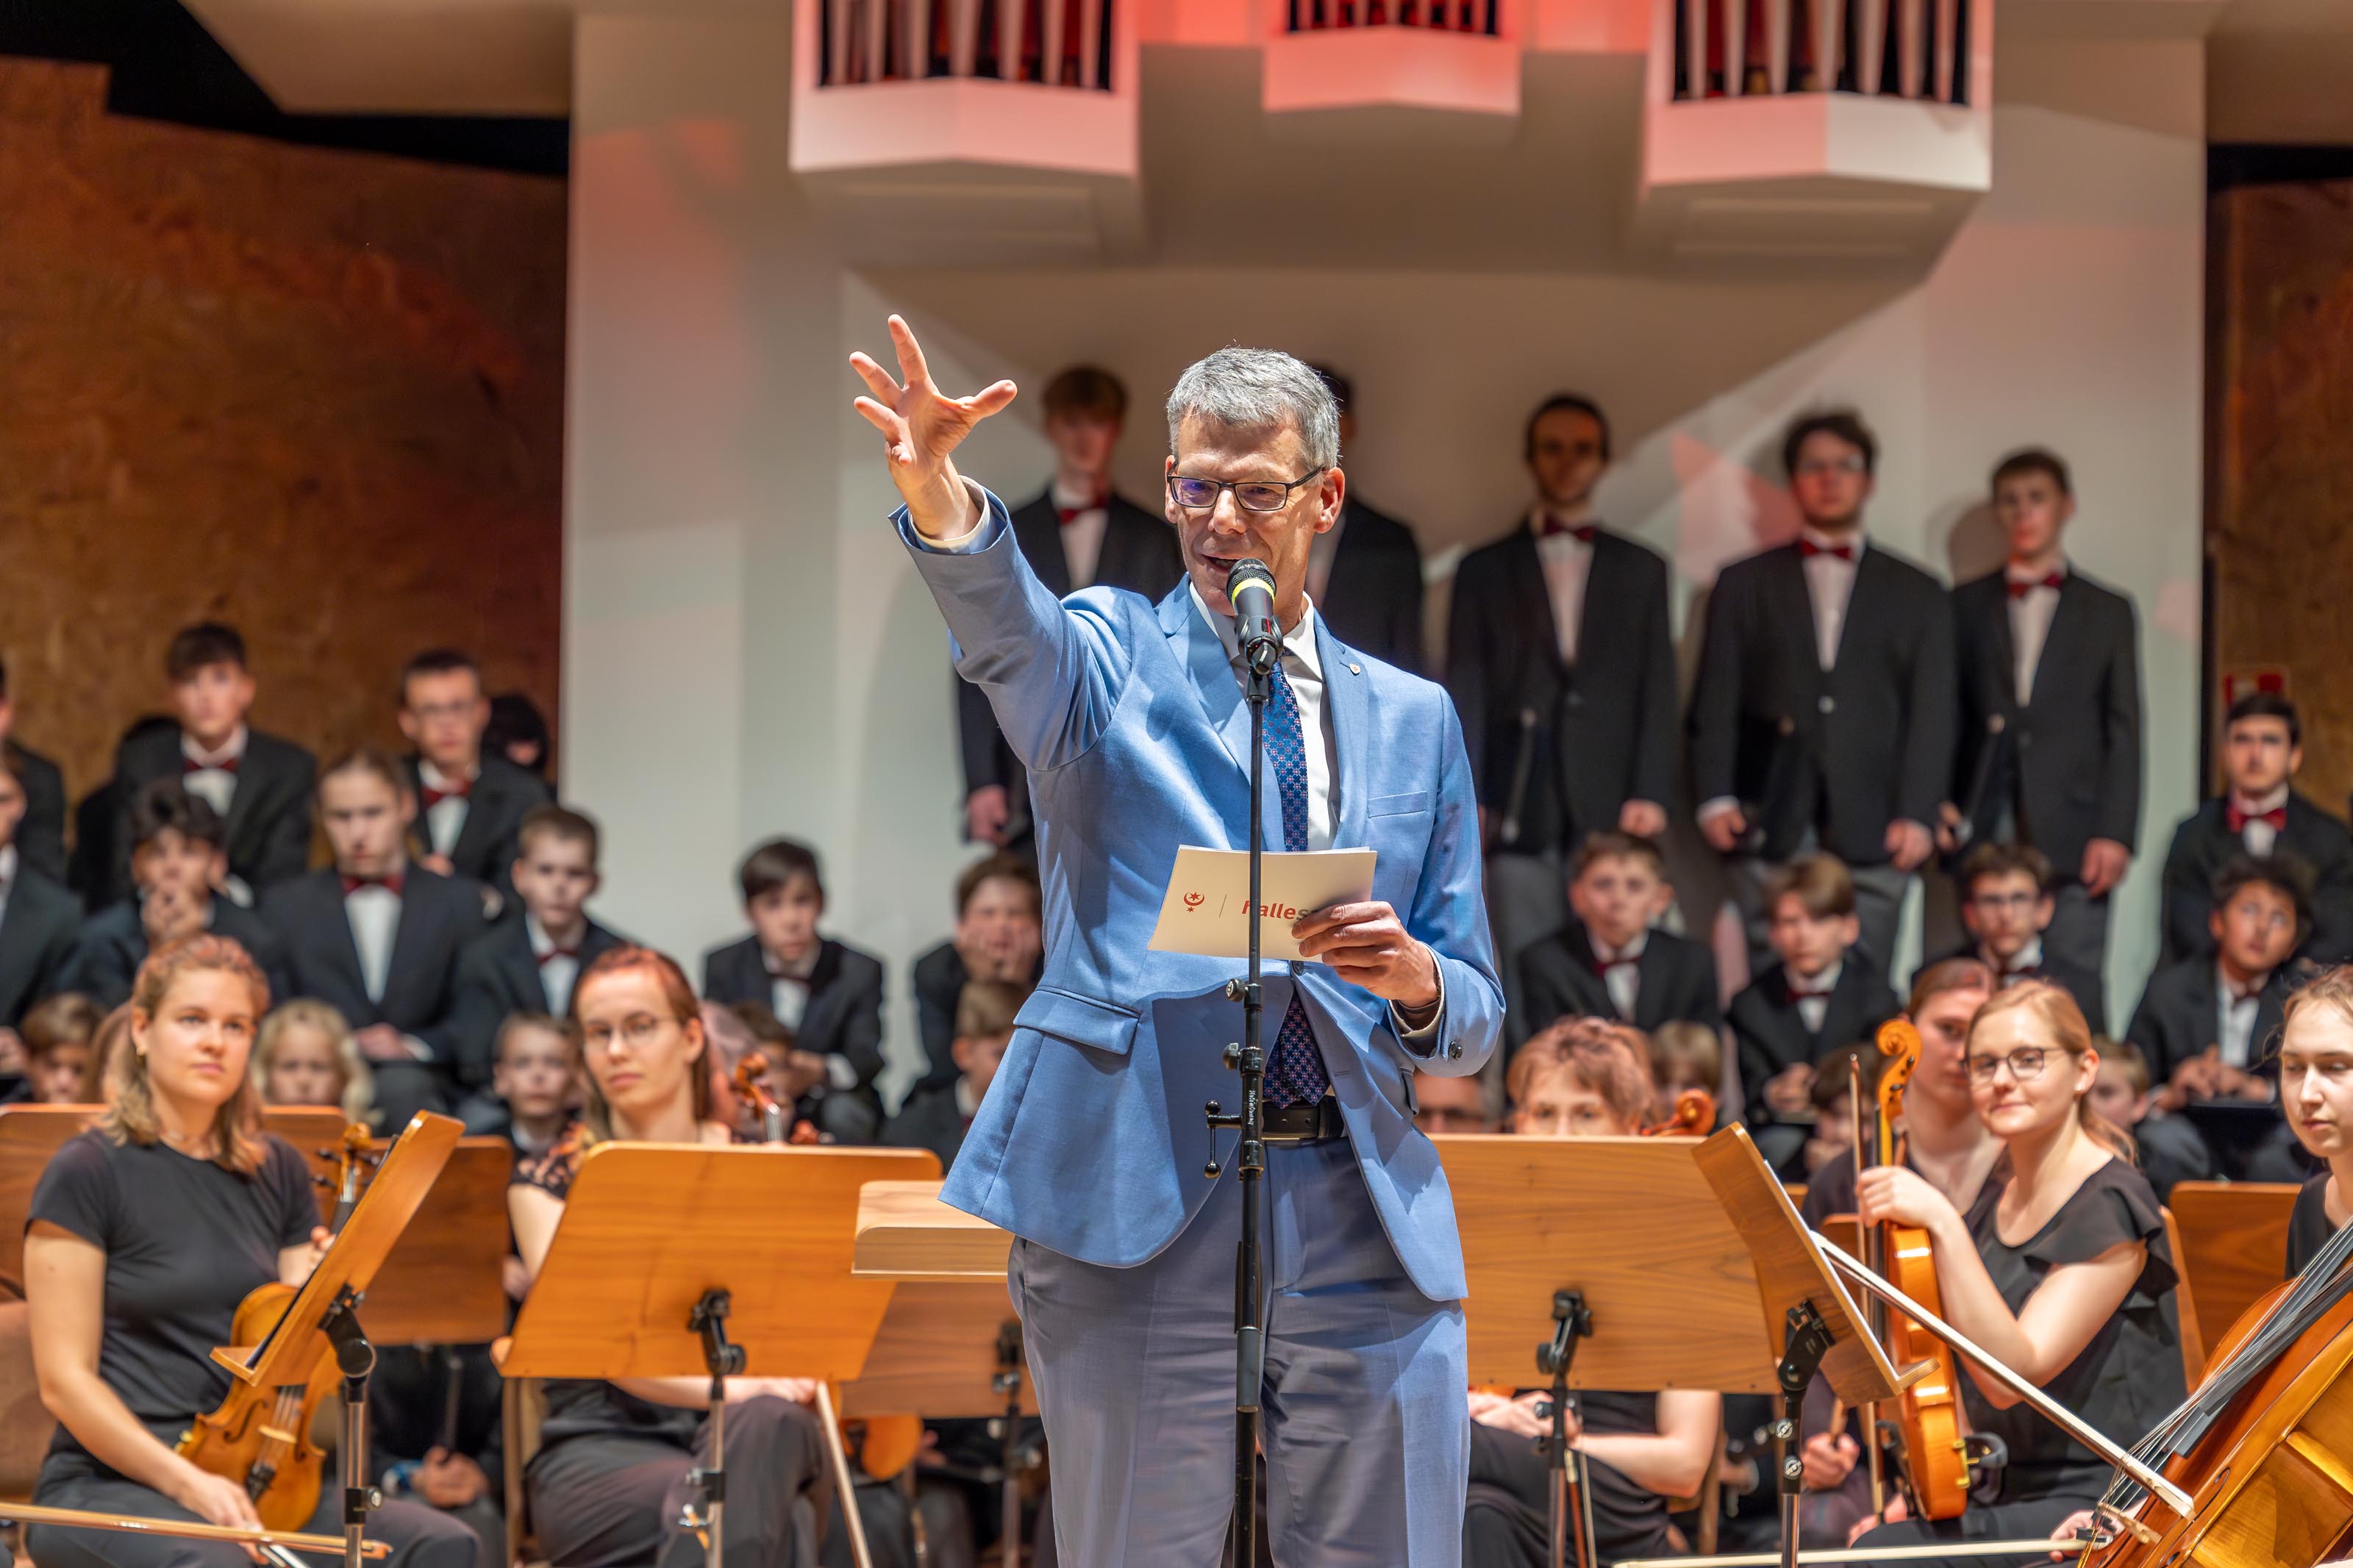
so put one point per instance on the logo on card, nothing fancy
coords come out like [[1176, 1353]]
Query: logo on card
[[1192, 901]]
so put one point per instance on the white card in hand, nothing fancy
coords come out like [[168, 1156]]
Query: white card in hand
[[1205, 908]]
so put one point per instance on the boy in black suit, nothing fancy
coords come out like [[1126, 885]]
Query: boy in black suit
[[2006, 902], [2208, 1027], [2049, 724], [1562, 671], [39, 919], [937, 1119], [2167, 1148], [1364, 572], [1608, 962], [260, 785], [2260, 813], [1823, 993], [179, 855], [1822, 716], [535, 1083], [471, 802], [827, 993], [377, 938], [1075, 535], [997, 937], [527, 962], [41, 836]]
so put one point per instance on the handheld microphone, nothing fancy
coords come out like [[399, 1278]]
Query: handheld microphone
[[1251, 587]]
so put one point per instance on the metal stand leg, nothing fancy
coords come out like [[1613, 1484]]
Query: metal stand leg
[[1571, 1321], [1806, 1338], [1008, 1381], [356, 1358], [723, 1361]]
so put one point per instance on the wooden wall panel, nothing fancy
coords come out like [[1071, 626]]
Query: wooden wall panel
[[317, 394], [2280, 523]]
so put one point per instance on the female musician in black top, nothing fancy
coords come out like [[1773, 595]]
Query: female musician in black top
[[2067, 1280], [607, 1484], [2317, 1091], [145, 1234], [1583, 1077]]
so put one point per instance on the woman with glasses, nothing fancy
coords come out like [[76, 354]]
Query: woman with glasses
[[2066, 1279], [610, 1478]]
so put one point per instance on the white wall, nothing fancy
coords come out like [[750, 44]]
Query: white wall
[[748, 650]]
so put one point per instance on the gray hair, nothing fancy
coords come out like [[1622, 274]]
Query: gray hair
[[1259, 391]]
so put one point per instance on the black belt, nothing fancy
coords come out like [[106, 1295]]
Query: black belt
[[1303, 1124]]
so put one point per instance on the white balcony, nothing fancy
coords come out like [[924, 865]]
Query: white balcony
[[1415, 68]]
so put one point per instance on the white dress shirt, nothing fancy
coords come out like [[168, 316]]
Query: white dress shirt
[[1830, 583], [1082, 536], [1814, 1004], [557, 971], [375, 914], [2029, 959], [788, 998], [1567, 563], [1303, 670], [446, 818], [2030, 625], [2257, 835], [1621, 972], [2236, 1020], [210, 778]]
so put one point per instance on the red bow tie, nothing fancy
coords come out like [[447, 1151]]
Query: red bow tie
[[2020, 587], [2238, 816], [1602, 966], [190, 765], [1799, 991], [1807, 550], [2239, 997], [1581, 531], [1070, 515], [389, 884], [556, 953], [432, 797]]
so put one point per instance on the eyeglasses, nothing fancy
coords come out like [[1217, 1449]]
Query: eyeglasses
[[1252, 495], [639, 1031], [2025, 1065], [1850, 464], [1997, 903]]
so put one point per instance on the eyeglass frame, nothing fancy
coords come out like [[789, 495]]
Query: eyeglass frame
[[1993, 1064], [1236, 485]]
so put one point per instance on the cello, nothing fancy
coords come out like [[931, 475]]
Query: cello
[[261, 1437], [1932, 1453]]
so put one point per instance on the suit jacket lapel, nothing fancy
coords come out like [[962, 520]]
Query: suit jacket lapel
[[1600, 586], [1650, 979], [481, 810], [338, 935], [1203, 655], [2005, 649], [1037, 528], [408, 937], [1531, 593], [524, 977], [1348, 714], [17, 949], [2057, 642], [1795, 609]]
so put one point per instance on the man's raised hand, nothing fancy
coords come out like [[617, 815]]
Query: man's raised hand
[[921, 425]]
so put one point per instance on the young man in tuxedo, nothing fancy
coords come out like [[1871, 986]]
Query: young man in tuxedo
[[261, 786], [998, 937], [376, 937], [1364, 572], [39, 919], [1563, 672], [471, 802], [1609, 961], [2209, 1025], [1075, 535], [827, 993], [41, 836], [2260, 813], [528, 960], [1823, 993], [937, 1119], [2049, 740], [1823, 717], [179, 856], [2007, 903]]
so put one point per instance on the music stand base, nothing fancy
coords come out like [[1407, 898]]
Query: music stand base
[[356, 1358], [1805, 1340], [723, 1361], [1571, 1322]]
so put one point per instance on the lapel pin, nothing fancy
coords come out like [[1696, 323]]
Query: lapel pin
[[1355, 670]]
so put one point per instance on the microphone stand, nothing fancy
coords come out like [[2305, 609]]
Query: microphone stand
[[1250, 1058]]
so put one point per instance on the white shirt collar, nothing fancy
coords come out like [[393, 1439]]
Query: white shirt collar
[[800, 971], [1539, 511], [1084, 501], [967, 1102], [434, 778], [1629, 954], [2029, 957], [231, 751], [1834, 541], [2015, 574], [1826, 980], [2276, 801], [2229, 995], [1299, 642]]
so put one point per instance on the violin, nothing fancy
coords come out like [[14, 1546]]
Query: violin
[[768, 1115], [1932, 1451], [1694, 1117], [261, 1437]]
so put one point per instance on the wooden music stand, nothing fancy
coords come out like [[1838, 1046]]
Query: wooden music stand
[[2233, 1245], [330, 1300], [951, 1344], [441, 1285], [688, 1260], [1643, 1264]]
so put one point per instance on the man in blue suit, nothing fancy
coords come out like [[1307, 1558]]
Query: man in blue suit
[[1130, 717]]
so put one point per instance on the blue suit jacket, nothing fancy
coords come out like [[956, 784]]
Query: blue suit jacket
[[1132, 726]]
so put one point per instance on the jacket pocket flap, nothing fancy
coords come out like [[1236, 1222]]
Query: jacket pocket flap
[[1398, 804], [1081, 1020]]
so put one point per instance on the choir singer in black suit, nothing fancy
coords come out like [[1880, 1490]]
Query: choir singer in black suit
[[1563, 669], [1823, 713], [470, 801], [41, 836], [39, 919], [1075, 535], [1364, 572], [2050, 742]]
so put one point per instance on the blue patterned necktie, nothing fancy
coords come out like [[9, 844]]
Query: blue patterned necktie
[[1294, 1071]]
